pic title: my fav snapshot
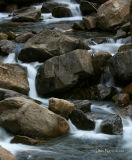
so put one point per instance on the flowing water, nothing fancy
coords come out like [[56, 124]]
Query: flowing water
[[77, 144]]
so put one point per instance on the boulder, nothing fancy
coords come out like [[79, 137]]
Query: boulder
[[89, 22], [49, 43], [60, 12], [61, 107], [80, 120], [127, 89], [125, 47], [87, 7], [3, 36], [120, 34], [126, 112], [120, 66], [7, 47], [26, 140], [48, 7], [29, 14], [83, 105], [61, 73], [112, 125], [22, 38], [113, 13], [6, 155], [14, 77], [121, 98], [24, 117], [11, 35], [78, 26]]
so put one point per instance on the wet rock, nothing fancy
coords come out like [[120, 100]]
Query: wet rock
[[78, 26], [7, 47], [121, 98], [87, 7], [14, 77], [80, 120], [126, 111], [29, 14], [11, 35], [126, 27], [6, 155], [22, 38], [24, 117], [113, 13], [127, 89], [83, 105], [120, 66], [60, 12], [49, 43], [26, 140], [3, 36], [112, 125], [89, 22], [61, 107], [120, 34], [125, 47], [48, 7], [63, 72]]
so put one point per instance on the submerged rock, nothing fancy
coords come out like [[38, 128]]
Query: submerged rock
[[112, 125], [63, 72], [61, 107], [22, 116], [47, 44], [14, 77], [6, 155], [80, 120], [29, 14]]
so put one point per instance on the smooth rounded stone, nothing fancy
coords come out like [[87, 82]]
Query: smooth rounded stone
[[121, 98], [127, 89], [61, 107], [26, 140], [29, 14], [120, 66], [126, 112], [6, 155], [83, 105], [87, 7], [113, 13], [47, 44], [7, 47], [60, 12], [80, 120], [48, 7], [78, 26], [90, 22], [63, 72], [11, 35], [112, 125], [14, 77], [24, 117], [125, 47], [22, 38], [3, 36]]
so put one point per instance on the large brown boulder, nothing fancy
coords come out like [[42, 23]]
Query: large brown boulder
[[22, 116], [61, 107], [60, 12], [120, 66], [6, 155], [113, 13], [63, 72], [47, 44], [29, 14], [14, 77]]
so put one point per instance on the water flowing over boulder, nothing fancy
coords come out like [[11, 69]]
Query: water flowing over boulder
[[60, 12], [112, 125], [80, 120], [29, 14], [14, 77], [47, 44], [63, 72], [113, 13], [24, 117], [6, 155], [121, 67], [61, 107]]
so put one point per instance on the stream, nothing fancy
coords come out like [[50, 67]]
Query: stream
[[77, 144]]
